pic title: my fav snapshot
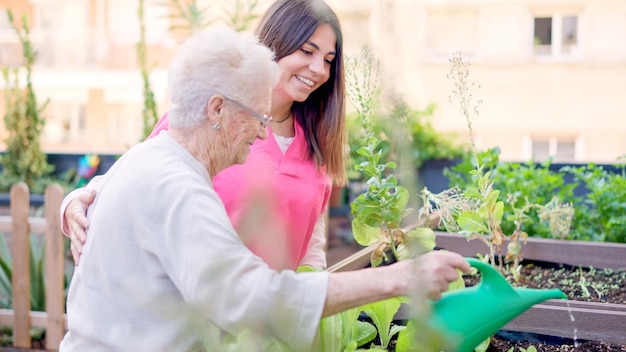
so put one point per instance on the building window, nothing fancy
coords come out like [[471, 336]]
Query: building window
[[555, 36], [65, 122], [559, 150]]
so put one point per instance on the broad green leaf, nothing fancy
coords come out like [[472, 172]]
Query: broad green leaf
[[37, 292], [498, 213], [365, 235], [492, 197], [382, 313], [351, 347], [364, 332], [472, 193], [471, 221], [330, 334], [424, 237], [425, 339], [350, 319]]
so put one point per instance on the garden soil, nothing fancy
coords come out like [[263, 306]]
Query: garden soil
[[582, 284]]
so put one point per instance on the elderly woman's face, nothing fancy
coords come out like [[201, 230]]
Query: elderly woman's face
[[307, 68], [245, 125]]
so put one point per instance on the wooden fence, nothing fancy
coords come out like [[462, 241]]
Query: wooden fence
[[19, 225]]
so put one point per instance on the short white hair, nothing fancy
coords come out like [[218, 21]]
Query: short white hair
[[218, 61]]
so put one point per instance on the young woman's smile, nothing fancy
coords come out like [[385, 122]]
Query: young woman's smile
[[307, 68]]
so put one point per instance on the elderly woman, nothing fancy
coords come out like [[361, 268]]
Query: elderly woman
[[172, 248]]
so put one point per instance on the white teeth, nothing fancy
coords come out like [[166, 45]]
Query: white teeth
[[308, 82]]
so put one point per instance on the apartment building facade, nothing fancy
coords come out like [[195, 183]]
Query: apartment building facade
[[550, 74]]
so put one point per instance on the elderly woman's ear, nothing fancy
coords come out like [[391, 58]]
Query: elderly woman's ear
[[214, 111]]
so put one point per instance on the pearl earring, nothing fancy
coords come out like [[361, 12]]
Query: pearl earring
[[216, 126]]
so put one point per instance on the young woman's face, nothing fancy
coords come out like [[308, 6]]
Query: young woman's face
[[307, 68]]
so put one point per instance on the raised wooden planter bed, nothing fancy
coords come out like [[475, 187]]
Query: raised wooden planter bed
[[592, 321]]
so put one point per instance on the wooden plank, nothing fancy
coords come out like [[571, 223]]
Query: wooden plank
[[564, 318], [20, 252], [37, 319], [575, 253], [37, 225], [54, 262], [575, 320]]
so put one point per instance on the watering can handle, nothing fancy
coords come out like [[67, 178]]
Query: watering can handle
[[490, 276], [478, 264]]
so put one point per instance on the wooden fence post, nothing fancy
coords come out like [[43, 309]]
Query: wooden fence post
[[54, 268], [20, 247]]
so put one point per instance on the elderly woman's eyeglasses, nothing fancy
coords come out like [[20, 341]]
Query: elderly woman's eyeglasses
[[263, 119]]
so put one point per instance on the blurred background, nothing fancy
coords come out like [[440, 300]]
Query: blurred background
[[551, 74]]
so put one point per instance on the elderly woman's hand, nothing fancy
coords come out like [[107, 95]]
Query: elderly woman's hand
[[76, 222], [437, 269]]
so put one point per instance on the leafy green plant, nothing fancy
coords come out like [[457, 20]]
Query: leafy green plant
[[6, 274], [476, 208], [37, 291], [378, 212], [522, 187], [600, 215], [382, 314], [343, 331], [24, 159]]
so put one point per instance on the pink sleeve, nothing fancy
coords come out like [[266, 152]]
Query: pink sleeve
[[161, 125]]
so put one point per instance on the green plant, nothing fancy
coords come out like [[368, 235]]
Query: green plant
[[522, 186], [343, 331], [6, 274], [378, 212], [601, 215], [598, 214], [24, 159], [382, 314], [476, 208], [37, 292]]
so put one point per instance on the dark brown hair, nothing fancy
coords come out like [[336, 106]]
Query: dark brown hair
[[284, 28]]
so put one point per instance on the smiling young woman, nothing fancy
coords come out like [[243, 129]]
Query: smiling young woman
[[286, 181]]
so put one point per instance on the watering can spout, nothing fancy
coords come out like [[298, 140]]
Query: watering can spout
[[469, 316], [530, 296]]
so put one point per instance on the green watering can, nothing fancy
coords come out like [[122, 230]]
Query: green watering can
[[469, 316]]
